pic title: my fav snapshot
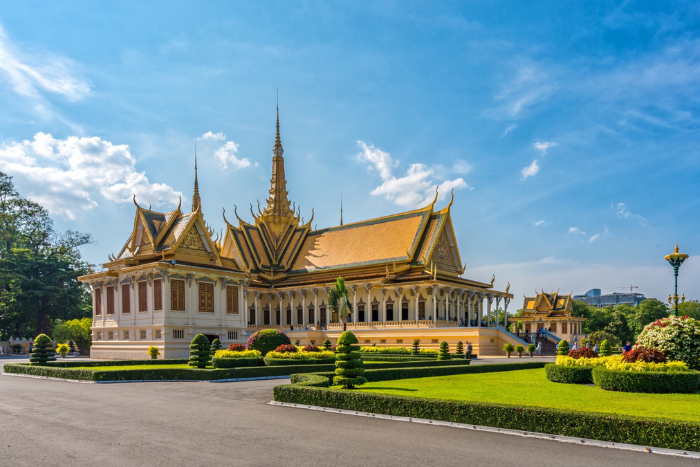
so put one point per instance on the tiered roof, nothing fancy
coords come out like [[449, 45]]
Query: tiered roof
[[548, 304]]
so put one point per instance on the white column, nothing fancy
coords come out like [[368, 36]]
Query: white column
[[316, 316], [506, 301], [257, 311], [304, 311], [353, 287], [383, 291], [399, 295], [290, 293], [489, 298], [416, 293], [435, 309], [479, 305], [368, 307]]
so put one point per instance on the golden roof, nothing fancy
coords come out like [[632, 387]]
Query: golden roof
[[549, 304]]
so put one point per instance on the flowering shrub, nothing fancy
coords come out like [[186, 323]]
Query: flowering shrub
[[389, 350], [267, 340], [583, 352], [286, 348], [644, 354], [301, 355], [615, 362], [237, 354], [311, 348], [677, 337], [236, 347], [427, 352]]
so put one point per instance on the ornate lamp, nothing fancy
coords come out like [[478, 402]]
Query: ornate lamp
[[675, 259]]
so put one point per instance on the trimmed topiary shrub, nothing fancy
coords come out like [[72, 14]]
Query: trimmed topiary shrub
[[43, 350], [153, 352], [644, 354], [216, 345], [327, 344], [520, 349], [646, 381], [605, 349], [200, 351], [677, 337], [416, 347], [460, 349], [287, 348], [563, 347], [62, 350], [444, 353], [267, 340], [508, 348], [569, 374], [531, 349], [583, 352], [236, 347], [348, 364]]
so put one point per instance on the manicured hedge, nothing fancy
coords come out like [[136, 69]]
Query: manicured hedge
[[606, 427], [569, 374], [646, 381], [269, 361], [235, 362], [309, 379], [81, 363], [371, 357]]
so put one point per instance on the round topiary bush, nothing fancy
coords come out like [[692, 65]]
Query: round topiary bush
[[348, 364], [644, 354], [267, 340], [200, 351], [287, 348], [43, 350], [444, 353], [569, 374], [658, 382], [605, 349], [677, 337], [236, 347], [563, 347], [583, 352]]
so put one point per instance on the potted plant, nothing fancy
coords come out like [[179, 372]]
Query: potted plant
[[520, 349], [62, 349], [508, 348], [531, 349], [153, 352]]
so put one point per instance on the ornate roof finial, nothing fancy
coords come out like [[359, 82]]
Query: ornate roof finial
[[196, 201], [675, 250]]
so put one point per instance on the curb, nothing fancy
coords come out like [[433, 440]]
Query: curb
[[230, 380], [490, 429]]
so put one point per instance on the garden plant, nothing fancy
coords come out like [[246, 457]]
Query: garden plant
[[605, 350], [267, 340], [508, 348], [200, 351], [62, 349], [348, 366], [153, 352], [416, 347], [339, 301], [459, 351], [43, 350], [677, 337], [444, 353], [327, 344], [531, 349], [563, 347], [216, 345], [520, 349]]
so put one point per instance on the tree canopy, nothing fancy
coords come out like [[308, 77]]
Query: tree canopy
[[39, 268], [623, 321]]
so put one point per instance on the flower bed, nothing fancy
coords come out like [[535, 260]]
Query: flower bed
[[677, 337], [386, 350], [236, 359], [659, 382], [299, 358]]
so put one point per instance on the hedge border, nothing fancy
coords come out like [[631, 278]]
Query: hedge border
[[236, 362], [569, 374], [79, 363], [606, 427], [656, 382], [269, 361]]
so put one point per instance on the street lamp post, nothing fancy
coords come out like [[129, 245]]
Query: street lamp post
[[675, 259]]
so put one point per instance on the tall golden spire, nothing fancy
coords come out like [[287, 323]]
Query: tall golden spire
[[278, 204], [196, 201]]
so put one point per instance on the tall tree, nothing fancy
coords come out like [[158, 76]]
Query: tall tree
[[690, 308]]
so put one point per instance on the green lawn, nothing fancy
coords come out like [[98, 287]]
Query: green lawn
[[532, 388], [131, 367]]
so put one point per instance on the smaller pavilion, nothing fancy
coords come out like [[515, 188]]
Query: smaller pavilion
[[552, 312]]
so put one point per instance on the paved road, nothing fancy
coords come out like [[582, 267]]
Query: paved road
[[216, 424]]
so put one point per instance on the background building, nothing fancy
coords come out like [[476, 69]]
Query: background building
[[594, 298]]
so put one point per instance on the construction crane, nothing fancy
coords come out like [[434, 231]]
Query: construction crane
[[631, 287]]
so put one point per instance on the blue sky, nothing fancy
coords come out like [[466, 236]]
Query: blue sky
[[569, 131]]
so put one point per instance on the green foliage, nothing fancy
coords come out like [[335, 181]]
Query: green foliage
[[200, 351], [348, 364], [39, 268], [387, 350], [598, 337], [569, 374], [215, 345], [606, 427], [563, 347], [416, 347], [218, 362], [646, 381], [690, 308], [531, 348], [43, 350], [618, 325], [605, 350], [267, 340], [460, 348], [444, 353], [76, 330], [153, 352], [339, 300], [520, 349], [62, 349], [327, 344], [508, 348]]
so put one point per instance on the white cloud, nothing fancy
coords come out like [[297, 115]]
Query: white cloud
[[67, 175], [213, 136], [575, 230], [593, 238], [622, 212], [414, 189], [529, 86], [227, 154], [509, 128], [531, 170], [34, 75], [539, 223], [462, 167], [542, 146]]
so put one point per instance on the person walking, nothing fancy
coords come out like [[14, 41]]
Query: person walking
[[469, 350]]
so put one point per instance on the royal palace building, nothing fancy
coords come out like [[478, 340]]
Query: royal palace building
[[173, 279]]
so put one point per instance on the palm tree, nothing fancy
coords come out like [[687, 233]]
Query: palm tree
[[339, 301]]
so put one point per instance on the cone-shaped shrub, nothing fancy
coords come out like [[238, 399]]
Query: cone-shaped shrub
[[563, 348], [604, 349], [215, 345], [43, 350], [460, 348], [327, 344], [200, 351], [444, 353], [416, 347], [348, 363]]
